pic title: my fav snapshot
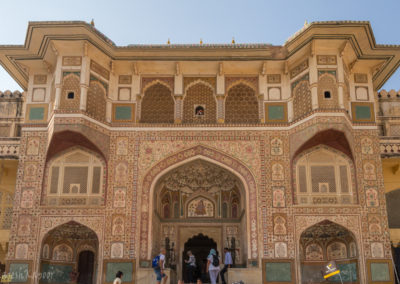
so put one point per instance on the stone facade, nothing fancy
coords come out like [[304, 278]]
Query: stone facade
[[295, 136]]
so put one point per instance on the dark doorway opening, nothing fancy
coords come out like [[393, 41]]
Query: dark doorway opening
[[200, 246], [86, 267]]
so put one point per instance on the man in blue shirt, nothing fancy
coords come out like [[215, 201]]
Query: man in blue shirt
[[227, 264]]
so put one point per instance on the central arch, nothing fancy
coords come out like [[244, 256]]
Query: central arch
[[210, 155]]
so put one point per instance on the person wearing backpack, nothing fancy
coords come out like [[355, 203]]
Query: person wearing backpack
[[213, 266], [158, 264]]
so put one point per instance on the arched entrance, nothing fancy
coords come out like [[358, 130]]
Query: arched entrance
[[69, 253], [199, 197], [200, 246], [324, 242]]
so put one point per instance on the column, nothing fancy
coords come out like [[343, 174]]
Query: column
[[314, 82], [220, 95], [108, 110], [85, 77], [290, 110], [178, 95], [340, 82], [57, 81]]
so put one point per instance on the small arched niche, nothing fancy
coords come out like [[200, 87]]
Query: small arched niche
[[324, 242]]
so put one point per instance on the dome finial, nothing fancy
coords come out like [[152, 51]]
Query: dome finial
[[233, 40], [92, 22], [168, 41], [201, 41]]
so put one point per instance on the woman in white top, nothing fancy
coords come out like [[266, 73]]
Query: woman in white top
[[118, 277], [211, 269]]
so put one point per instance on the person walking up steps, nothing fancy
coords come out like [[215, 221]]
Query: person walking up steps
[[191, 267], [158, 264], [227, 264], [213, 266]]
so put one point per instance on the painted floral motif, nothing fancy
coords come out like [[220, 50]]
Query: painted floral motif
[[377, 250], [279, 225], [121, 172], [27, 198], [278, 198], [280, 250], [117, 250], [30, 171], [119, 197], [276, 147], [366, 146], [372, 197], [21, 251], [277, 172], [122, 146], [24, 225], [32, 147], [369, 171], [118, 226]]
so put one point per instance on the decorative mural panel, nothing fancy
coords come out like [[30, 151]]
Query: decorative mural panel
[[314, 252], [27, 198], [117, 250], [298, 69], [274, 78], [326, 59], [72, 60], [96, 67], [63, 253], [200, 207], [278, 198]]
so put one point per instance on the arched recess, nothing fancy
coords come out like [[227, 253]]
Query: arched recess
[[75, 177], [335, 138], [241, 104], [71, 84], [199, 94], [327, 91], [62, 246], [157, 104], [67, 141], [326, 241], [210, 155], [324, 176]]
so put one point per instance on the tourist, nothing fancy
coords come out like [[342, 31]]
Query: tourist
[[190, 267], [227, 264], [213, 266], [159, 269], [118, 277]]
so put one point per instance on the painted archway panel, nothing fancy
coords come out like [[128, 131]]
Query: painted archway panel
[[200, 207]]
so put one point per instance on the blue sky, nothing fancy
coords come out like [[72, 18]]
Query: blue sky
[[186, 21]]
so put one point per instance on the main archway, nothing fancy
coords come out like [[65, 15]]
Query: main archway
[[148, 192], [199, 197]]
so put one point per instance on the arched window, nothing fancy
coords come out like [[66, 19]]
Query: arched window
[[324, 177], [74, 175]]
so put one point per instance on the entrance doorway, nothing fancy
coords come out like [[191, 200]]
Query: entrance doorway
[[85, 267], [200, 246]]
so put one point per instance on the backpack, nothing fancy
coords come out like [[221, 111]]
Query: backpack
[[156, 261], [215, 261]]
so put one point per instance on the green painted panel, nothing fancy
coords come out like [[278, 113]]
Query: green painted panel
[[278, 271], [348, 271], [19, 272], [276, 112], [56, 273], [113, 267], [380, 272], [363, 112], [123, 112], [36, 113]]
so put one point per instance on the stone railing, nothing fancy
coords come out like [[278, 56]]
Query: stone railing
[[9, 148], [390, 147]]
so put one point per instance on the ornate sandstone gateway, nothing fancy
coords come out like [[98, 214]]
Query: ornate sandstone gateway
[[272, 151]]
